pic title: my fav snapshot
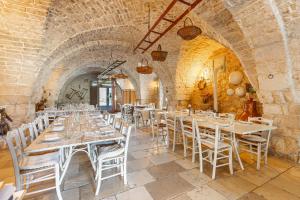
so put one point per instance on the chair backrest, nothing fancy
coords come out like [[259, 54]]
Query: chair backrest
[[37, 126], [16, 152], [186, 127], [126, 132], [111, 119], [227, 115], [156, 115], [35, 130], [207, 138], [105, 115], [261, 120], [27, 134], [118, 122], [40, 123], [204, 112], [198, 111], [145, 114], [45, 119], [170, 123]]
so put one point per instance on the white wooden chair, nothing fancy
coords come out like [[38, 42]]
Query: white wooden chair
[[33, 170], [111, 119], [45, 120], [27, 134], [173, 131], [258, 143], [37, 125], [188, 134], [35, 129], [158, 125], [113, 157], [118, 122], [145, 117], [215, 149]]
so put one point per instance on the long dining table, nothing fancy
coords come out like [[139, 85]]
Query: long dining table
[[88, 130], [235, 128]]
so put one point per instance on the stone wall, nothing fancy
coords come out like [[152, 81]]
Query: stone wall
[[82, 84], [149, 88], [196, 62]]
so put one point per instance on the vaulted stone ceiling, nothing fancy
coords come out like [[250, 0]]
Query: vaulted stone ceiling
[[47, 41]]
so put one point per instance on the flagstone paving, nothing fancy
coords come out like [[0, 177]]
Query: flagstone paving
[[155, 172]]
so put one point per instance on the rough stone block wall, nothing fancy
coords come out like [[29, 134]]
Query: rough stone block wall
[[39, 37]]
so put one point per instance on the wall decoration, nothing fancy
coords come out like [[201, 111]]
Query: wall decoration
[[79, 93], [159, 55], [5, 121], [249, 88], [189, 32], [201, 84], [240, 91], [235, 77], [230, 92]]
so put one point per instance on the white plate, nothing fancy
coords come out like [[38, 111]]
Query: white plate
[[58, 128], [102, 125], [58, 124], [245, 122], [51, 137]]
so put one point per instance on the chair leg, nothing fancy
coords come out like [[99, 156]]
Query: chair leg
[[230, 161], [152, 129], [122, 168], [57, 182], [194, 150], [99, 177], [174, 140], [258, 156], [200, 157], [266, 154], [125, 171], [215, 164], [184, 146]]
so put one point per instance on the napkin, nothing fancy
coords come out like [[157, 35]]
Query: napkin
[[51, 137], [59, 123], [106, 130], [58, 128]]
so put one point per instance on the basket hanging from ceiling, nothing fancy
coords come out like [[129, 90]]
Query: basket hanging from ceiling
[[159, 55], [119, 76], [144, 68], [189, 32]]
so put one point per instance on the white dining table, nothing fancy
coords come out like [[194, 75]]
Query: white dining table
[[87, 134], [236, 128]]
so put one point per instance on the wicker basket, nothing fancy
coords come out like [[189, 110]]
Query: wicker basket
[[189, 32], [119, 76], [159, 55], [145, 68]]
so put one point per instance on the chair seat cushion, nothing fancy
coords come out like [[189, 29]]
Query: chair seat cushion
[[210, 144], [39, 161], [161, 125], [110, 151], [254, 138]]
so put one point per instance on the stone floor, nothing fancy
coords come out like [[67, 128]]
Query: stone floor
[[156, 172]]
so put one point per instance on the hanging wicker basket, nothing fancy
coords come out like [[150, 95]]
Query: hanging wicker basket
[[189, 32], [145, 68], [119, 76], [159, 55]]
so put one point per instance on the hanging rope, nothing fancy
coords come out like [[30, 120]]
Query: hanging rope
[[149, 15]]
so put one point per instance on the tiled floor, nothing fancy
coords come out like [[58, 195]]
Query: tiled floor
[[156, 172]]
